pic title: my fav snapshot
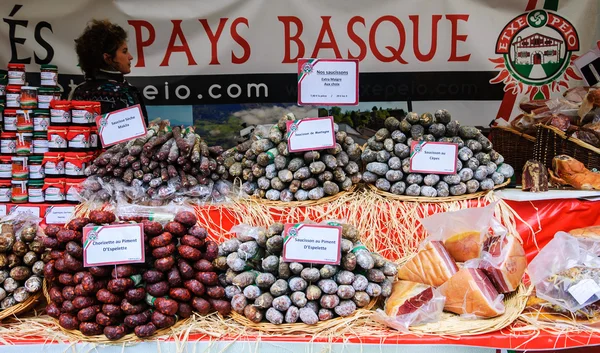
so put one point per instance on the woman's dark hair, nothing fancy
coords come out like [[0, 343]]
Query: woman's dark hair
[[99, 37]]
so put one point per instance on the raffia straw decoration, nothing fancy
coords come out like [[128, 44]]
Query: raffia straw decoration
[[534, 320]]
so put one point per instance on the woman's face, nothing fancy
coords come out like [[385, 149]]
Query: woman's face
[[122, 59]]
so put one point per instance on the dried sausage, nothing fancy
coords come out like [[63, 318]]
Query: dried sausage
[[135, 295], [137, 319], [100, 271], [164, 264], [145, 330], [189, 253], [130, 309], [185, 310], [105, 320], [66, 279], [112, 310], [180, 294], [105, 296], [51, 230], [153, 276], [208, 278], [55, 295], [68, 293], [161, 240], [162, 321], [152, 228], [201, 305], [166, 306], [198, 232], [67, 235], [223, 307], [83, 302], [88, 314], [49, 271], [164, 251], [68, 321], [114, 333], [102, 217], [123, 271], [185, 270], [77, 223], [119, 285], [212, 250], [53, 310], [68, 307], [90, 329], [78, 277], [187, 218], [203, 265], [192, 241], [88, 282], [195, 287], [174, 278], [175, 228], [216, 292], [159, 289]]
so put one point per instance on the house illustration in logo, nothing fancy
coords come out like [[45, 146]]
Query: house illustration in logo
[[536, 49]]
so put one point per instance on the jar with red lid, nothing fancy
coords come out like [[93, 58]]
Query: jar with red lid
[[5, 190], [5, 167], [57, 137], [16, 74], [60, 112], [8, 142], [54, 189], [13, 96], [83, 112], [78, 137], [75, 163], [24, 141], [72, 189], [54, 163], [10, 120]]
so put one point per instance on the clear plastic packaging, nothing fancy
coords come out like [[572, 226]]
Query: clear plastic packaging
[[463, 232], [411, 304], [566, 272]]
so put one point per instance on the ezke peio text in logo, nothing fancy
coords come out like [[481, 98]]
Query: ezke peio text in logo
[[537, 53]]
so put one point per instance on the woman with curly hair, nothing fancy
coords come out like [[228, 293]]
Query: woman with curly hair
[[104, 59]]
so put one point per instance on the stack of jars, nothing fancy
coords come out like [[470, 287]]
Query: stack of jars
[[24, 139], [72, 144]]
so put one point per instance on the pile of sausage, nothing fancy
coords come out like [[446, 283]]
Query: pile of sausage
[[176, 279]]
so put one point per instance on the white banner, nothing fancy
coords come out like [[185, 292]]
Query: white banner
[[196, 52]]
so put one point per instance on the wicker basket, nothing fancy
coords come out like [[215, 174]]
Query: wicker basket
[[406, 198], [77, 336], [552, 142], [301, 328], [21, 307], [514, 146]]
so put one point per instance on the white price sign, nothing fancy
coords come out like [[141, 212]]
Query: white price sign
[[113, 245], [311, 134], [59, 214], [584, 290], [121, 125], [31, 210], [327, 82], [312, 243], [433, 157]]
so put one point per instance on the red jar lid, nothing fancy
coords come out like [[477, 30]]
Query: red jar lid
[[16, 66]]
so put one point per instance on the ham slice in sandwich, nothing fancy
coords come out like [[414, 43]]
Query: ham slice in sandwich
[[432, 265], [504, 263], [469, 291], [407, 297]]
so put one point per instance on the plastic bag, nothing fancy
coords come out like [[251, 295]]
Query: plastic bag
[[424, 306], [566, 272], [24, 226], [163, 214], [463, 232], [245, 232]]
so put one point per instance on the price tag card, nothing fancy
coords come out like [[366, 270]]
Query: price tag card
[[59, 214], [121, 125], [327, 82], [433, 157], [113, 245], [31, 210], [312, 243], [311, 134], [584, 290], [3, 210], [589, 66]]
